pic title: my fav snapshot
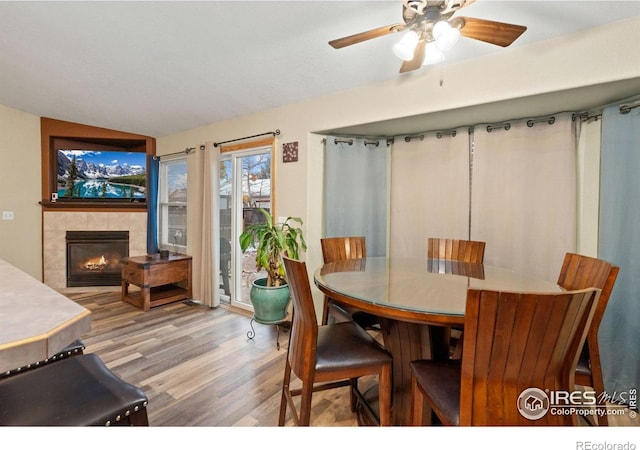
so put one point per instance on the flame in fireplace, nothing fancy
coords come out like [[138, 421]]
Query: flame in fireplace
[[100, 265]]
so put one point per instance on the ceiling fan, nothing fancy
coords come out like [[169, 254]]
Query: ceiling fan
[[431, 29]]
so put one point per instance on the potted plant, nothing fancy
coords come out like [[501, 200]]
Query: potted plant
[[270, 296]]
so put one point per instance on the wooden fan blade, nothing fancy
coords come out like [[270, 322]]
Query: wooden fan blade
[[498, 33], [418, 58], [366, 35]]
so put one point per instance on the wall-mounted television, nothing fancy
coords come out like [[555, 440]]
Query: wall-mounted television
[[96, 175]]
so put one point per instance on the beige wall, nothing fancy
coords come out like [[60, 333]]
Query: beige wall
[[584, 59], [20, 239], [597, 56]]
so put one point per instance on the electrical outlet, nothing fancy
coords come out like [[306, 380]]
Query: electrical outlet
[[7, 215]]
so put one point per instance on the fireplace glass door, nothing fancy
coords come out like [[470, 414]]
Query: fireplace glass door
[[93, 257]]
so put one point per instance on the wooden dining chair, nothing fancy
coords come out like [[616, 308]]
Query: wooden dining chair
[[455, 250], [580, 272], [327, 356], [513, 342], [340, 249]]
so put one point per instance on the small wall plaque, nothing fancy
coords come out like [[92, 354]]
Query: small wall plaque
[[290, 152]]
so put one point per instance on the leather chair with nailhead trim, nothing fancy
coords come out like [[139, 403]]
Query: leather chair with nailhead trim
[[78, 391], [75, 348]]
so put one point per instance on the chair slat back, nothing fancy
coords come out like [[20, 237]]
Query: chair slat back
[[456, 250], [304, 328], [516, 341], [341, 248], [581, 272]]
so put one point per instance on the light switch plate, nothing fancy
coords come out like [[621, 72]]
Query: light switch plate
[[7, 215]]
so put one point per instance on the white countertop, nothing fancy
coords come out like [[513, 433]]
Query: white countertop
[[35, 321]]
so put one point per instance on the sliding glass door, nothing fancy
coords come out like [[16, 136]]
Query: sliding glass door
[[245, 187]]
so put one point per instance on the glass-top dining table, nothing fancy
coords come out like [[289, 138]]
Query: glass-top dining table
[[416, 300]]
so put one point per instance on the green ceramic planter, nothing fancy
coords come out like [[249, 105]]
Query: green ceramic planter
[[270, 304]]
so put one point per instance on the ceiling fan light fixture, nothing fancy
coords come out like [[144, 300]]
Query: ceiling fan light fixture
[[445, 35], [432, 54], [427, 21], [406, 46]]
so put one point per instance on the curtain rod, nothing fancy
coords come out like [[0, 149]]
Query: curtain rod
[[367, 140], [350, 141], [550, 119], [273, 133], [594, 114], [627, 107], [185, 151]]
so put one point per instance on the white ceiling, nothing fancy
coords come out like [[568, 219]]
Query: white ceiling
[[160, 67]]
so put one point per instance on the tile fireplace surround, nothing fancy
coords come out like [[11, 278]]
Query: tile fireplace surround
[[55, 224]]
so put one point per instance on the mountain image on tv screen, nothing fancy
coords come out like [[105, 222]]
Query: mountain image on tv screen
[[90, 174]]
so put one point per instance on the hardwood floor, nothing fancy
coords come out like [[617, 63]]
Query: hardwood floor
[[198, 367]]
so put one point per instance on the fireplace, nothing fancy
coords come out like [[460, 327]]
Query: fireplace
[[93, 257]]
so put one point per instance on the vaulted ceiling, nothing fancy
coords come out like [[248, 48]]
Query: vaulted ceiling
[[157, 68]]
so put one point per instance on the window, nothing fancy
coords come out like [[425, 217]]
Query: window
[[173, 205]]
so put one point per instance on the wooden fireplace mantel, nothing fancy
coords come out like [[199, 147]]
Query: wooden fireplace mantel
[[93, 206]]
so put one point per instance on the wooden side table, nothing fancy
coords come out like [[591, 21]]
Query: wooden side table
[[157, 279]]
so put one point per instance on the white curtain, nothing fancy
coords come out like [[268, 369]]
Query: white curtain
[[204, 246], [356, 190], [588, 187], [619, 243], [429, 191], [524, 194]]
